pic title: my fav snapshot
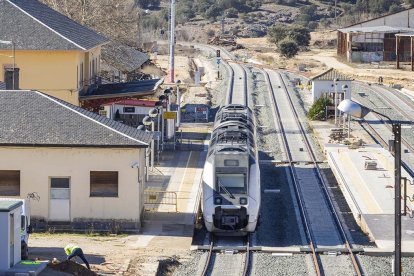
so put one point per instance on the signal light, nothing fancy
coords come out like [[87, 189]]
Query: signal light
[[218, 53]]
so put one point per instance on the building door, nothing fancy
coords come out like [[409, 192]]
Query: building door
[[11, 223], [59, 207], [10, 78]]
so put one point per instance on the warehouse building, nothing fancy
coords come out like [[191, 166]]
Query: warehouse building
[[387, 38]]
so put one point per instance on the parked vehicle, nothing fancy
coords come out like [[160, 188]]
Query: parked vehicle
[[25, 227]]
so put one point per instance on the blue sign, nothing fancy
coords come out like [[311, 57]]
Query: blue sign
[[218, 61]]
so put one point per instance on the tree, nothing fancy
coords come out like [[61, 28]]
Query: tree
[[299, 34], [317, 110], [288, 48]]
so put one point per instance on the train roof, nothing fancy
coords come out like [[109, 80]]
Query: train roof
[[234, 130]]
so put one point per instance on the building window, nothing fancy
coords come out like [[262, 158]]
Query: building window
[[104, 184], [9, 183]]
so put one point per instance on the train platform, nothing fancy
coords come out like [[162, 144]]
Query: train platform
[[366, 177]]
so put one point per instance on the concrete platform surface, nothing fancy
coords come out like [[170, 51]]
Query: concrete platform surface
[[370, 192], [27, 267]]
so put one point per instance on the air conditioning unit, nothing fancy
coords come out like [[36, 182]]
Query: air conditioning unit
[[371, 165]]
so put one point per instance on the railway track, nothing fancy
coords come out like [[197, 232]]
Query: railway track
[[322, 225], [378, 135], [232, 261], [227, 261]]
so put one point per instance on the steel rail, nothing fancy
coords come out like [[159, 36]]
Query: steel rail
[[378, 138], [208, 260], [392, 103], [247, 257], [304, 215], [355, 262]]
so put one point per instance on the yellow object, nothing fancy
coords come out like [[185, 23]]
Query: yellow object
[[69, 248], [170, 115]]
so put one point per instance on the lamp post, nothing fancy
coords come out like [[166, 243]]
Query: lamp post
[[336, 100], [14, 56], [345, 89], [148, 120], [178, 82], [162, 99], [359, 111], [159, 107], [167, 93]]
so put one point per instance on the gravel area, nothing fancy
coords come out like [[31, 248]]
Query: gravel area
[[337, 265], [191, 267], [374, 266], [267, 264]]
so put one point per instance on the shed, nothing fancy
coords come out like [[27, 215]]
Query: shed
[[10, 233], [324, 85], [378, 39]]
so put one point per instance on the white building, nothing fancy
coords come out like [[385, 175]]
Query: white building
[[324, 84], [9, 233], [87, 169]]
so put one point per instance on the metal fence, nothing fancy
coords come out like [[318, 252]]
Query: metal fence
[[160, 198]]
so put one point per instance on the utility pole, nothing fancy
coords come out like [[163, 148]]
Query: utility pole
[[336, 21], [172, 40]]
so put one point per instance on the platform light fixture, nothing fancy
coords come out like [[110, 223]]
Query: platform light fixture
[[359, 111]]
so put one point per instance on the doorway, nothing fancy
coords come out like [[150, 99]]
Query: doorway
[[59, 207]]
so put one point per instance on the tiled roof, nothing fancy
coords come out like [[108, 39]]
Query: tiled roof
[[122, 57], [330, 75], [122, 89], [32, 25], [133, 102], [31, 118], [2, 86]]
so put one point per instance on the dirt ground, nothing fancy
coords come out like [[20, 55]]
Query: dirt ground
[[117, 254], [320, 58]]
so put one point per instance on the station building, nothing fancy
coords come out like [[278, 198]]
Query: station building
[[88, 170], [387, 38]]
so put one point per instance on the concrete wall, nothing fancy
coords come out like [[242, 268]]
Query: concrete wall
[[56, 73], [38, 165], [320, 87], [401, 19], [5, 238]]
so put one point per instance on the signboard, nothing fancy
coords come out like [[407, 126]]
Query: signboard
[[129, 109], [170, 115]]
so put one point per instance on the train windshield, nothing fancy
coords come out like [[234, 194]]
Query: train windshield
[[233, 183]]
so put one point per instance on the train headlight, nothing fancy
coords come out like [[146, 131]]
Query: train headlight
[[217, 200], [243, 201]]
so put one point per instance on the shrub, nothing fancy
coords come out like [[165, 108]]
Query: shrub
[[317, 110], [288, 48]]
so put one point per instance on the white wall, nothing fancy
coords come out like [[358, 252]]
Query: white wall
[[37, 165], [111, 109], [323, 86], [401, 19], [5, 238]]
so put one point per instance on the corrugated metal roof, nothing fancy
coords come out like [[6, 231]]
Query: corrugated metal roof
[[376, 29], [405, 34], [330, 75], [122, 89]]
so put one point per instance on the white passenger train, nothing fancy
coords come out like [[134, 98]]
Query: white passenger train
[[231, 177]]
